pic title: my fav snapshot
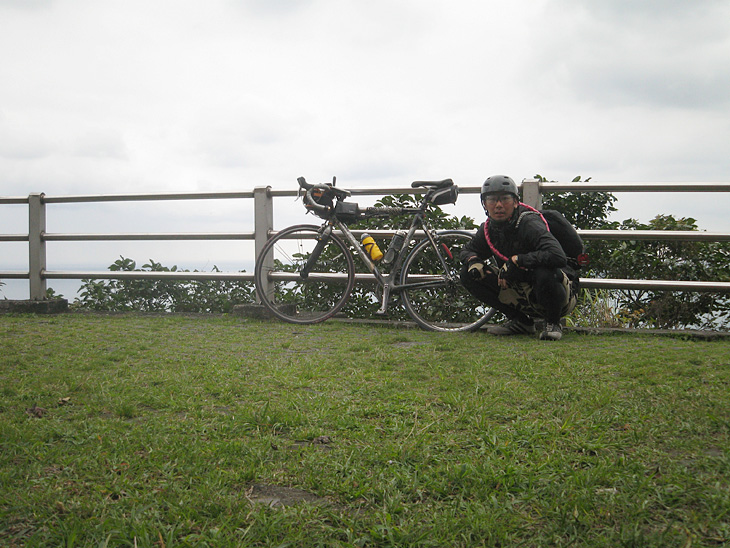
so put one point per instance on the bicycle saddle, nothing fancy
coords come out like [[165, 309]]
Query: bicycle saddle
[[432, 184]]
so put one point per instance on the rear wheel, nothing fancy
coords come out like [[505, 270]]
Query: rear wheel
[[441, 302], [304, 299]]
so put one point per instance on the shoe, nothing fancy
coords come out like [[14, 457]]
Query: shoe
[[553, 332], [513, 327]]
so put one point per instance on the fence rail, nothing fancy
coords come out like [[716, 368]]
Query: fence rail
[[263, 197]]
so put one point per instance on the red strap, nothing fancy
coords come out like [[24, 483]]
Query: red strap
[[489, 240]]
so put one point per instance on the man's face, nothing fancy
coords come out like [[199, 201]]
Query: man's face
[[500, 206]]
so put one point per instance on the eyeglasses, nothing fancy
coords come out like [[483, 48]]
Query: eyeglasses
[[506, 199]]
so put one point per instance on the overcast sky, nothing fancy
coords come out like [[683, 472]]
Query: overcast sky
[[112, 96]]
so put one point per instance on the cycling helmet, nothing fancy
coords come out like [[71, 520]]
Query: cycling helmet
[[499, 184]]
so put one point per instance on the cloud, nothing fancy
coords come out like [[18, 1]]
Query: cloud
[[99, 144], [26, 4], [23, 145], [647, 12], [651, 54]]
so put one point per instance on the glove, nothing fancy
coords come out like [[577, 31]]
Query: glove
[[508, 272], [476, 270]]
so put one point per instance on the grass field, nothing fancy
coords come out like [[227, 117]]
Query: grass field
[[130, 430]]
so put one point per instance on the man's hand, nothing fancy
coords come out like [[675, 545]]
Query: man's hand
[[476, 270], [508, 273]]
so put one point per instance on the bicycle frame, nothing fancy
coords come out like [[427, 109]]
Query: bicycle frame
[[388, 282]]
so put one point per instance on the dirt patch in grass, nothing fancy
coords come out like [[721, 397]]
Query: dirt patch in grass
[[276, 495]]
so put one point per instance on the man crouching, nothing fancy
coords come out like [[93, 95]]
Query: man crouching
[[531, 278]]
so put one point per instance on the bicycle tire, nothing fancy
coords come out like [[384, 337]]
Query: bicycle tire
[[447, 305], [295, 299]]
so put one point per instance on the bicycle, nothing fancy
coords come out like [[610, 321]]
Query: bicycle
[[306, 273]]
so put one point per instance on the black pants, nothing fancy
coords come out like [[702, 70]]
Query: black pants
[[548, 292]]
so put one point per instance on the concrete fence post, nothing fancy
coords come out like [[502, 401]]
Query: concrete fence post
[[263, 222], [37, 246], [531, 194]]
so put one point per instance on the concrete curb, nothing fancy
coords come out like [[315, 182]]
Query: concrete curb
[[50, 306]]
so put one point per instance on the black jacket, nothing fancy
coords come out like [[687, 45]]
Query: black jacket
[[524, 235]]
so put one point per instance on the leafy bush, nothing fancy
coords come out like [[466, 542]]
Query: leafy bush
[[594, 309], [647, 260], [585, 210], [161, 295], [669, 260], [436, 218]]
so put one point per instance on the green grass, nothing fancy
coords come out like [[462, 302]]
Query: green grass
[[157, 429]]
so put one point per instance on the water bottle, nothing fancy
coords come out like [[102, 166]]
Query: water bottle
[[371, 247], [395, 246]]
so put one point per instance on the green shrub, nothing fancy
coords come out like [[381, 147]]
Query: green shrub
[[212, 296]]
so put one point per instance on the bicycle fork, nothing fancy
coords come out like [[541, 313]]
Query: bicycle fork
[[322, 240]]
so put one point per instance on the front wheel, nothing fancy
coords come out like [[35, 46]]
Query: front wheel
[[437, 300], [304, 298]]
